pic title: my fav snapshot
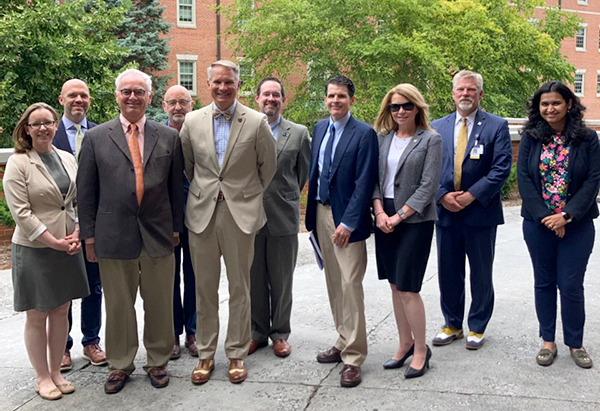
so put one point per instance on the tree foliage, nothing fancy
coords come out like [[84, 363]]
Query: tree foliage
[[381, 43], [143, 32], [46, 43]]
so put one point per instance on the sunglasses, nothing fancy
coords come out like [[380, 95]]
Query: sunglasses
[[406, 106]]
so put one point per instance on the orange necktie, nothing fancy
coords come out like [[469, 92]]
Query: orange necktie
[[134, 149]]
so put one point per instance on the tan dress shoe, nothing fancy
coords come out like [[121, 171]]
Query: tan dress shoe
[[66, 364], [282, 348], [201, 373], [94, 354], [237, 370]]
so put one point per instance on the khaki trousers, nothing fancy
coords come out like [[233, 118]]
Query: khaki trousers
[[344, 272], [222, 237], [121, 280]]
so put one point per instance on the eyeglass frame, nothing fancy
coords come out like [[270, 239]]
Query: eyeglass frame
[[138, 92], [395, 107], [37, 126], [173, 103]]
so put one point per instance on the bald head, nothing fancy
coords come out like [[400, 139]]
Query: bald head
[[177, 103], [75, 99]]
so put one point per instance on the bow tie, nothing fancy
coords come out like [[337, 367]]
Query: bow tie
[[218, 113]]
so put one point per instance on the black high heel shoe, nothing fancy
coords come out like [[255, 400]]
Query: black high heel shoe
[[412, 373], [392, 364]]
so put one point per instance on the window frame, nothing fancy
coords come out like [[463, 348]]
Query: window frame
[[193, 59]]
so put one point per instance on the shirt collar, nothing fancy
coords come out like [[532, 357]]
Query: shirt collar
[[341, 123], [68, 123], [141, 123], [470, 118], [229, 110]]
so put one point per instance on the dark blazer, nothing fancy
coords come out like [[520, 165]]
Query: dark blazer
[[353, 176], [108, 208], [282, 197], [417, 177], [483, 177], [584, 179], [60, 138]]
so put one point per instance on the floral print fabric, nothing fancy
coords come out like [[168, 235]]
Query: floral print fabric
[[554, 163]]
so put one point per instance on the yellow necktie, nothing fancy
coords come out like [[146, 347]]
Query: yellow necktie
[[461, 147], [78, 140], [134, 149]]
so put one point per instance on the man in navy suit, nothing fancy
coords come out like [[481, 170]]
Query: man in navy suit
[[343, 171], [75, 99], [469, 208]]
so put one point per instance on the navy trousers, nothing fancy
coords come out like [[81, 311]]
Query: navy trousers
[[91, 307], [184, 312], [454, 244], [560, 264]]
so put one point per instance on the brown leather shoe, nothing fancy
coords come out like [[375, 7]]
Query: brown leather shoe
[[350, 376], [66, 364], [282, 348], [94, 354], [329, 356], [237, 370], [201, 373], [190, 344], [255, 345], [115, 382], [176, 353], [158, 377]]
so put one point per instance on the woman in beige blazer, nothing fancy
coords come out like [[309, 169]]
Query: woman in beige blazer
[[410, 161], [47, 264]]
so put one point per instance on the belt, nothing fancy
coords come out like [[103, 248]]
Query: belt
[[326, 203], [220, 197]]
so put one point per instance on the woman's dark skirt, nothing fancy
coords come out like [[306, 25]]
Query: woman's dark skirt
[[402, 255]]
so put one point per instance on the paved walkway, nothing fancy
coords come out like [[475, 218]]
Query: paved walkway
[[501, 376]]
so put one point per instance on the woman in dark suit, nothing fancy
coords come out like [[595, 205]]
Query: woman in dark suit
[[559, 176], [47, 266], [410, 161]]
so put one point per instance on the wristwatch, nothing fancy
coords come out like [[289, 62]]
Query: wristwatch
[[568, 217], [401, 214]]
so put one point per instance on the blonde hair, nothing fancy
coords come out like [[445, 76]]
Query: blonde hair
[[384, 123], [21, 138]]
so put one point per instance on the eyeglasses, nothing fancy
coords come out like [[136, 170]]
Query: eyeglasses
[[406, 106], [37, 126], [181, 102], [139, 92]]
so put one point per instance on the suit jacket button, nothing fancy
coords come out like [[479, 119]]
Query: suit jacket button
[[62, 208]]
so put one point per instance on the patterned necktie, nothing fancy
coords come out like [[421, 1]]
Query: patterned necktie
[[461, 147], [324, 177], [134, 149], [78, 139], [218, 113]]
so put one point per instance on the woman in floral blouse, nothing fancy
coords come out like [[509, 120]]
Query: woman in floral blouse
[[559, 176]]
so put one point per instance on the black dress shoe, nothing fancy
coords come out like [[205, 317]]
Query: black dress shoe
[[392, 363], [412, 373]]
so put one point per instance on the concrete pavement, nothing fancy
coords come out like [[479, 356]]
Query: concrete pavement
[[502, 375]]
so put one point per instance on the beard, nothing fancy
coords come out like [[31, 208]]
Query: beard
[[466, 105]]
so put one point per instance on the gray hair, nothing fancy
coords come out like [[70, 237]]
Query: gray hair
[[145, 76], [468, 74], [225, 63]]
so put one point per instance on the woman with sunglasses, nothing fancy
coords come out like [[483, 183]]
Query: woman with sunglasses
[[47, 264], [558, 171], [410, 161]]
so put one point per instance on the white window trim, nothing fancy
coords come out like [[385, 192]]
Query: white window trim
[[189, 58], [187, 24], [584, 27], [246, 93], [582, 2], [582, 72], [597, 83]]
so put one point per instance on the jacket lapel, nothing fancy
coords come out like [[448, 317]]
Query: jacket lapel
[[208, 133], [342, 145], [414, 141], [237, 124], [118, 137], [384, 151], [283, 135], [480, 121], [150, 139]]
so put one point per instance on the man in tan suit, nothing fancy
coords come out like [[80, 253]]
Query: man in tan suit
[[230, 159]]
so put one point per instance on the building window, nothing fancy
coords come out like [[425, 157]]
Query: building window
[[246, 76], [580, 38], [186, 72], [582, 2], [578, 85], [186, 13], [598, 84]]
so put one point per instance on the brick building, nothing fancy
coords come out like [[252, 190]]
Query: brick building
[[195, 44]]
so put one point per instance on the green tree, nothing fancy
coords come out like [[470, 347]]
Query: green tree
[[46, 43], [380, 43], [143, 32]]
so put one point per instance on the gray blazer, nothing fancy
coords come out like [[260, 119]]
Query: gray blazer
[[418, 175], [282, 197], [108, 208]]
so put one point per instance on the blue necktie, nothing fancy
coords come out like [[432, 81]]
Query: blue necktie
[[324, 177]]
